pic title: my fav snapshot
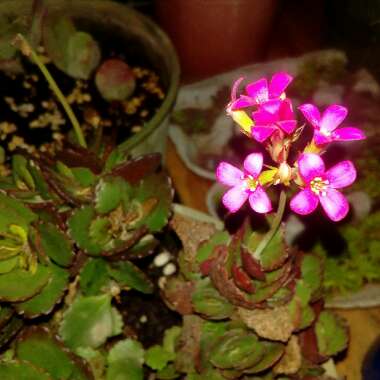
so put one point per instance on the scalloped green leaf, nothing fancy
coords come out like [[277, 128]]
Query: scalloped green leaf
[[90, 321], [128, 275], [20, 285], [273, 352], [13, 211], [125, 361], [79, 228], [84, 176], [156, 357], [94, 276], [109, 192], [331, 332], [51, 294], [155, 195], [12, 370], [40, 349], [236, 350], [83, 55], [275, 252], [312, 273], [207, 301], [55, 244]]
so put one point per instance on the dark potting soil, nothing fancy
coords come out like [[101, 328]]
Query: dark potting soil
[[33, 120]]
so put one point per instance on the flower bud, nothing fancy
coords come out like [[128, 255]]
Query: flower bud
[[284, 174]]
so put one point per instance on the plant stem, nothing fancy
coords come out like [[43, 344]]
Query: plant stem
[[27, 50], [274, 227]]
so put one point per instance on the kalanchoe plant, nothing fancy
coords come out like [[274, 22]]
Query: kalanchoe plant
[[252, 306]]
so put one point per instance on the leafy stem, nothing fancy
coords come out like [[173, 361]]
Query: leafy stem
[[24, 46], [274, 227]]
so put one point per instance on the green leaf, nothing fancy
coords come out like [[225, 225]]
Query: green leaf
[[331, 331], [84, 176], [125, 361], [20, 285], [109, 193], [273, 352], [79, 226], [207, 301], [56, 34], [83, 55], [90, 321], [96, 360], [206, 249], [51, 294], [170, 338], [236, 350], [312, 273], [94, 277], [14, 212], [8, 264], [12, 370], [55, 244], [40, 349], [128, 275], [156, 357], [21, 173], [154, 193], [275, 252]]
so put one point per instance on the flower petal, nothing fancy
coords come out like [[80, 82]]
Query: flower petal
[[321, 139], [261, 133], [311, 113], [286, 110], [332, 117], [260, 201], [228, 174], [335, 204], [305, 202], [288, 126], [258, 90], [253, 164], [242, 102], [234, 198], [279, 83], [348, 134], [341, 175], [264, 117], [310, 165], [272, 106]]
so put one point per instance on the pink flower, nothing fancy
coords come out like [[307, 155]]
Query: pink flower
[[325, 126], [245, 185], [271, 116], [321, 185], [260, 92]]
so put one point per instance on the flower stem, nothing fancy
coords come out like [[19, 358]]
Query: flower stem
[[27, 50], [274, 227]]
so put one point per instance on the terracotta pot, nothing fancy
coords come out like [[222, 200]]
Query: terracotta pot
[[212, 36]]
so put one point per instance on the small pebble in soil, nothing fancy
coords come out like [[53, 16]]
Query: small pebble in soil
[[162, 282], [143, 319], [161, 259], [169, 269]]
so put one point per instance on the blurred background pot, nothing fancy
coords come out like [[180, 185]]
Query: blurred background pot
[[138, 35], [213, 36]]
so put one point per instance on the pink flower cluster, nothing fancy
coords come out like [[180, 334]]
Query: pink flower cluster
[[265, 113]]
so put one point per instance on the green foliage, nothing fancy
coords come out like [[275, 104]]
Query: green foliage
[[125, 361], [46, 353], [90, 321], [331, 333], [10, 370], [156, 357]]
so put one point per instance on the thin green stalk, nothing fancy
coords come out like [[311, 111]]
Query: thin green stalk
[[26, 49], [274, 227]]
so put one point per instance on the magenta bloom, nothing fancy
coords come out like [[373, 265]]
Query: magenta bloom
[[271, 116], [321, 187], [260, 92], [325, 126], [245, 185]]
